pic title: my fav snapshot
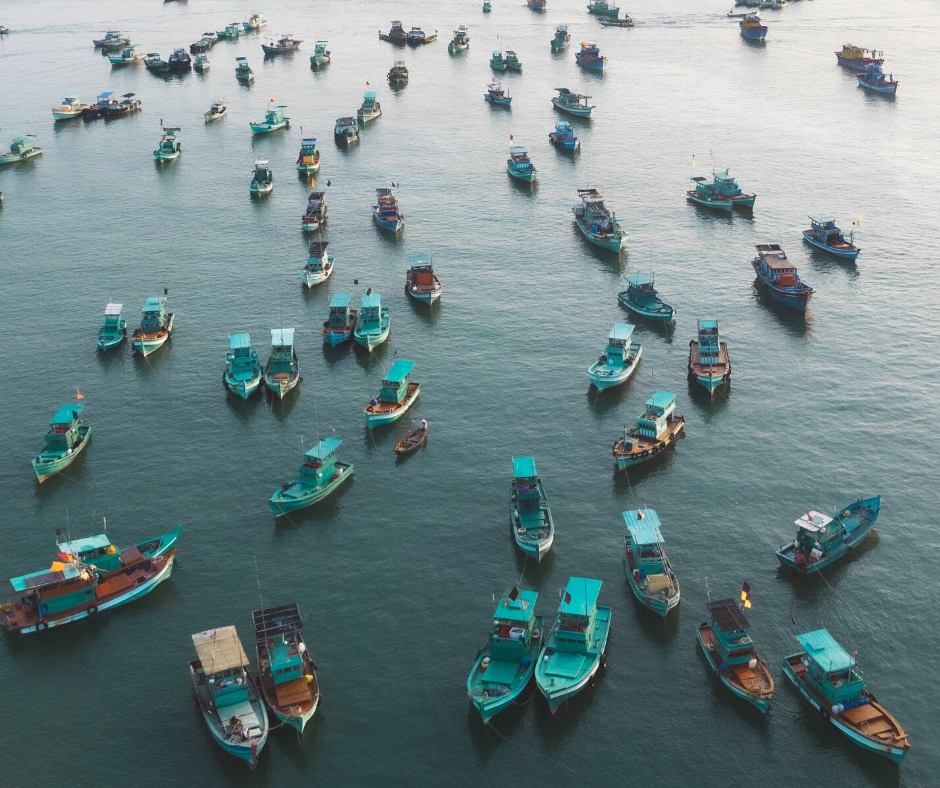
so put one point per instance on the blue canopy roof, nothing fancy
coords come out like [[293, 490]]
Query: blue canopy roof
[[621, 331], [239, 341], [399, 371], [104, 95], [66, 414], [524, 467], [580, 596], [372, 300], [822, 648], [707, 325], [308, 141], [369, 94], [519, 609], [340, 300], [420, 259], [323, 449], [661, 399], [153, 304], [77, 546], [638, 280], [821, 218], [643, 530]]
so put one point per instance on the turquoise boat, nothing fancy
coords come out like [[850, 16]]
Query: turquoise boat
[[320, 475], [657, 428], [231, 708], [823, 234], [169, 147], [561, 39], [651, 577], [602, 8], [708, 195], [530, 517], [338, 328], [396, 396], [727, 186], [519, 165], [254, 22], [320, 56], [619, 359], [262, 179], [709, 363], [274, 119], [114, 329], [287, 675], [512, 61], [65, 440], [421, 283], [282, 372], [597, 223], [506, 662], [643, 300], [460, 41], [156, 327], [104, 558], [821, 540], [243, 373], [829, 678], [232, 31], [370, 109], [576, 646], [497, 61], [372, 324], [21, 149], [726, 641], [128, 56], [572, 103], [243, 72], [308, 161]]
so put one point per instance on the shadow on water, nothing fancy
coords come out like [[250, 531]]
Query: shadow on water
[[282, 406], [798, 324], [553, 730], [656, 327], [300, 748], [576, 121], [428, 315], [73, 474], [533, 573], [381, 439], [722, 696], [603, 402], [346, 147], [823, 261], [369, 361], [389, 236], [243, 409], [333, 354], [615, 262], [151, 365], [524, 187], [659, 630], [711, 214], [488, 739], [709, 404], [109, 359], [629, 481], [808, 588], [324, 511]]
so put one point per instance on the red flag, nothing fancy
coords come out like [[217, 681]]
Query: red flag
[[567, 598]]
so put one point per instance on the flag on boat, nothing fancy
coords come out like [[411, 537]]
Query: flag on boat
[[746, 594]]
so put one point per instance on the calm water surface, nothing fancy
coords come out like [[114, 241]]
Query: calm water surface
[[399, 569]]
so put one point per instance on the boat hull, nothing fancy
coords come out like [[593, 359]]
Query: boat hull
[[314, 279], [660, 607], [762, 704], [538, 549], [797, 301], [423, 296], [604, 377], [371, 339], [280, 505], [581, 112], [246, 751], [147, 346], [265, 128], [378, 419], [558, 696], [280, 387], [610, 242], [499, 102], [159, 156], [662, 314], [887, 88], [753, 33], [625, 461], [110, 341], [243, 388], [715, 205], [13, 158], [57, 115], [390, 225], [590, 65], [526, 176], [45, 470], [786, 554], [368, 117], [845, 254]]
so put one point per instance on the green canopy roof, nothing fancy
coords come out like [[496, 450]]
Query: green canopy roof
[[621, 331], [524, 467], [323, 449], [372, 300], [77, 546], [580, 596], [644, 530], [239, 341], [66, 414], [661, 399], [399, 371], [822, 648], [340, 300], [522, 608]]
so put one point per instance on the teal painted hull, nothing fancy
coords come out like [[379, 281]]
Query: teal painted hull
[[378, 419], [159, 544], [660, 607], [527, 176], [298, 496], [160, 156], [581, 112], [715, 205], [608, 242], [761, 704], [663, 313], [558, 689], [605, 377], [243, 388], [489, 705], [371, 339], [49, 468], [108, 341], [264, 128], [281, 386]]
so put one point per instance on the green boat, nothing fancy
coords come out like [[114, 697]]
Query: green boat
[[320, 475], [530, 517], [128, 56], [282, 372], [396, 397], [65, 440], [372, 324], [169, 145], [651, 577], [114, 330], [602, 8], [497, 61], [232, 31], [21, 150], [156, 327], [274, 119], [320, 56], [243, 373], [507, 661], [576, 646], [370, 109], [519, 165], [102, 557]]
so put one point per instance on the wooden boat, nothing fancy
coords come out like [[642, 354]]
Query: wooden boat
[[243, 72], [156, 327], [234, 714], [286, 43], [70, 108], [590, 57], [114, 44], [597, 223], [709, 364], [619, 359], [128, 56], [651, 577], [100, 108], [169, 148], [320, 475], [315, 214], [576, 646], [127, 105], [519, 165], [497, 61], [385, 211], [254, 22], [707, 194], [561, 39], [110, 37], [417, 37], [495, 94], [287, 675], [625, 22], [243, 371], [216, 111], [752, 29], [346, 131], [530, 517], [308, 160], [537, 5], [779, 277], [106, 559], [262, 179], [823, 234], [274, 119], [66, 439], [180, 62], [320, 56], [342, 320], [395, 35], [373, 323], [114, 329], [505, 664], [370, 109], [875, 79], [232, 31], [859, 58], [204, 44], [657, 428], [201, 63], [643, 300], [487, 6], [21, 149], [602, 8], [396, 396], [413, 441], [563, 137], [156, 64], [398, 74], [512, 61], [282, 372], [572, 103], [319, 265], [421, 283], [726, 185], [829, 678]]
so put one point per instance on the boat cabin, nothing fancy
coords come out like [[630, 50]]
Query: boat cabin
[[646, 540], [395, 382], [63, 429], [576, 615], [816, 534], [526, 477], [224, 665], [368, 100], [60, 588], [319, 48], [705, 189], [320, 460], [641, 290], [594, 212], [275, 115], [106, 100], [709, 343], [830, 669], [731, 630], [519, 159], [99, 553], [240, 353], [308, 147], [317, 257], [727, 184], [618, 343], [339, 309], [774, 265], [277, 634], [21, 145], [282, 343], [654, 420], [513, 622], [370, 313], [572, 100], [825, 231], [154, 315]]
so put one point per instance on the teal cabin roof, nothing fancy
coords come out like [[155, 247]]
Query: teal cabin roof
[[66, 414], [621, 331], [822, 648], [661, 399], [524, 467], [399, 371], [372, 300], [707, 325], [638, 280], [724, 176], [580, 596], [519, 609], [420, 259], [44, 577], [77, 546], [153, 304], [282, 337], [323, 449], [369, 94], [340, 300], [821, 218], [239, 341], [643, 530]]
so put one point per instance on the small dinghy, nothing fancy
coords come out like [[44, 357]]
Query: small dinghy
[[413, 440]]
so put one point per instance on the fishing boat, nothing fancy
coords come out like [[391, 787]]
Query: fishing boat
[[752, 29], [315, 215], [320, 475], [487, 6], [821, 540], [643, 300], [537, 5], [319, 265], [156, 64], [346, 131], [286, 43], [262, 179], [372, 324], [71, 107], [100, 108], [338, 328], [577, 644], [780, 278], [614, 22], [519, 165], [115, 44], [128, 56], [169, 148], [829, 678], [385, 211], [180, 62], [572, 103], [505, 664], [875, 79], [110, 37], [71, 590], [602, 8], [563, 137], [201, 63], [823, 234], [657, 428], [114, 329], [619, 359], [65, 440], [707, 194], [495, 94], [417, 37], [243, 72], [127, 105], [398, 74], [232, 31], [413, 441], [727, 186], [561, 39], [461, 40], [254, 22], [105, 559], [396, 396], [651, 577], [282, 372], [590, 57], [287, 675], [370, 109], [858, 58], [512, 61], [4, 30], [21, 149], [216, 111], [321, 55], [274, 119], [204, 44], [156, 326], [597, 223], [396, 34], [421, 283], [243, 371], [709, 364], [530, 517], [227, 697], [497, 61], [727, 644]]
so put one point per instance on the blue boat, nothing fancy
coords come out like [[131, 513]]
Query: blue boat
[[282, 372], [572, 103], [338, 328], [519, 165], [651, 577], [156, 326], [597, 223], [114, 329], [530, 517], [67, 437], [243, 371], [873, 78], [495, 94], [641, 298], [709, 195], [823, 234], [822, 540], [506, 662], [752, 29], [590, 57], [576, 647], [619, 360], [320, 475], [385, 211], [373, 323], [779, 277], [829, 678], [563, 137], [657, 428], [709, 364], [727, 186], [561, 39]]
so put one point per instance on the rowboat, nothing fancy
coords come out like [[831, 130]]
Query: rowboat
[[413, 441]]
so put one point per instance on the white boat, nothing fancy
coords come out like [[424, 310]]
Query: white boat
[[71, 108], [319, 265]]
